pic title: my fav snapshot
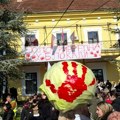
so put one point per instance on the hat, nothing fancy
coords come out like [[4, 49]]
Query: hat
[[68, 84]]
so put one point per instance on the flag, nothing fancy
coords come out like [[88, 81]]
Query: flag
[[62, 39], [73, 47], [52, 41], [54, 49], [72, 37], [48, 66]]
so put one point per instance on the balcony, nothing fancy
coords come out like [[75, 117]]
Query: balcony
[[110, 48], [109, 45]]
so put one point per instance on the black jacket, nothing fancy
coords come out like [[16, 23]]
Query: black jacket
[[32, 117], [47, 110], [25, 114], [8, 115], [116, 104]]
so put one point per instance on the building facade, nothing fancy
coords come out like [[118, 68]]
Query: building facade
[[87, 32]]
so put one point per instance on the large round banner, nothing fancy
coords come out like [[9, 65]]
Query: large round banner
[[68, 84]]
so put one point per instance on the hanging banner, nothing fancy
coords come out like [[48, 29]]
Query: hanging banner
[[79, 51]]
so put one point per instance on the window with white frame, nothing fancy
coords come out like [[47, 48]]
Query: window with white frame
[[93, 35], [31, 83], [62, 36], [31, 39]]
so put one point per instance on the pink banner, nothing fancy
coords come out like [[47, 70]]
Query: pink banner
[[46, 53]]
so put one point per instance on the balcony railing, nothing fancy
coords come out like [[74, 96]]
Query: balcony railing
[[113, 44], [106, 44]]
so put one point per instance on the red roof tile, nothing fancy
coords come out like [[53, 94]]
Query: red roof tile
[[38, 6]]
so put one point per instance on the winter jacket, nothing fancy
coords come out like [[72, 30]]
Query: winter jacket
[[8, 115], [25, 111], [45, 108], [116, 104], [33, 116]]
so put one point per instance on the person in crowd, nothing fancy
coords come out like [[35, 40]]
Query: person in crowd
[[93, 104], [34, 42], [115, 101], [100, 96], [108, 84], [13, 92], [27, 42], [108, 98], [8, 112], [35, 113], [114, 116], [54, 113], [39, 97], [81, 112], [103, 110], [27, 108], [47, 109], [13, 103], [118, 87], [114, 84]]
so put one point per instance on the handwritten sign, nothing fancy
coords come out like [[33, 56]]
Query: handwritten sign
[[68, 52]]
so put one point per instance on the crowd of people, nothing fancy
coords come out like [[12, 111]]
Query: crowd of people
[[37, 107], [9, 107], [105, 105]]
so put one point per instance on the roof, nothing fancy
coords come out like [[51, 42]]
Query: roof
[[38, 6]]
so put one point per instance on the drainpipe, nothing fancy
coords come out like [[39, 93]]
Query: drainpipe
[[109, 33], [118, 68]]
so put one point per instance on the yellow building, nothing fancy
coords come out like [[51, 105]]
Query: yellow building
[[80, 30]]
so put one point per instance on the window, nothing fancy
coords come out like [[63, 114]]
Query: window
[[98, 74], [61, 38], [31, 39], [31, 83], [92, 34], [93, 37]]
